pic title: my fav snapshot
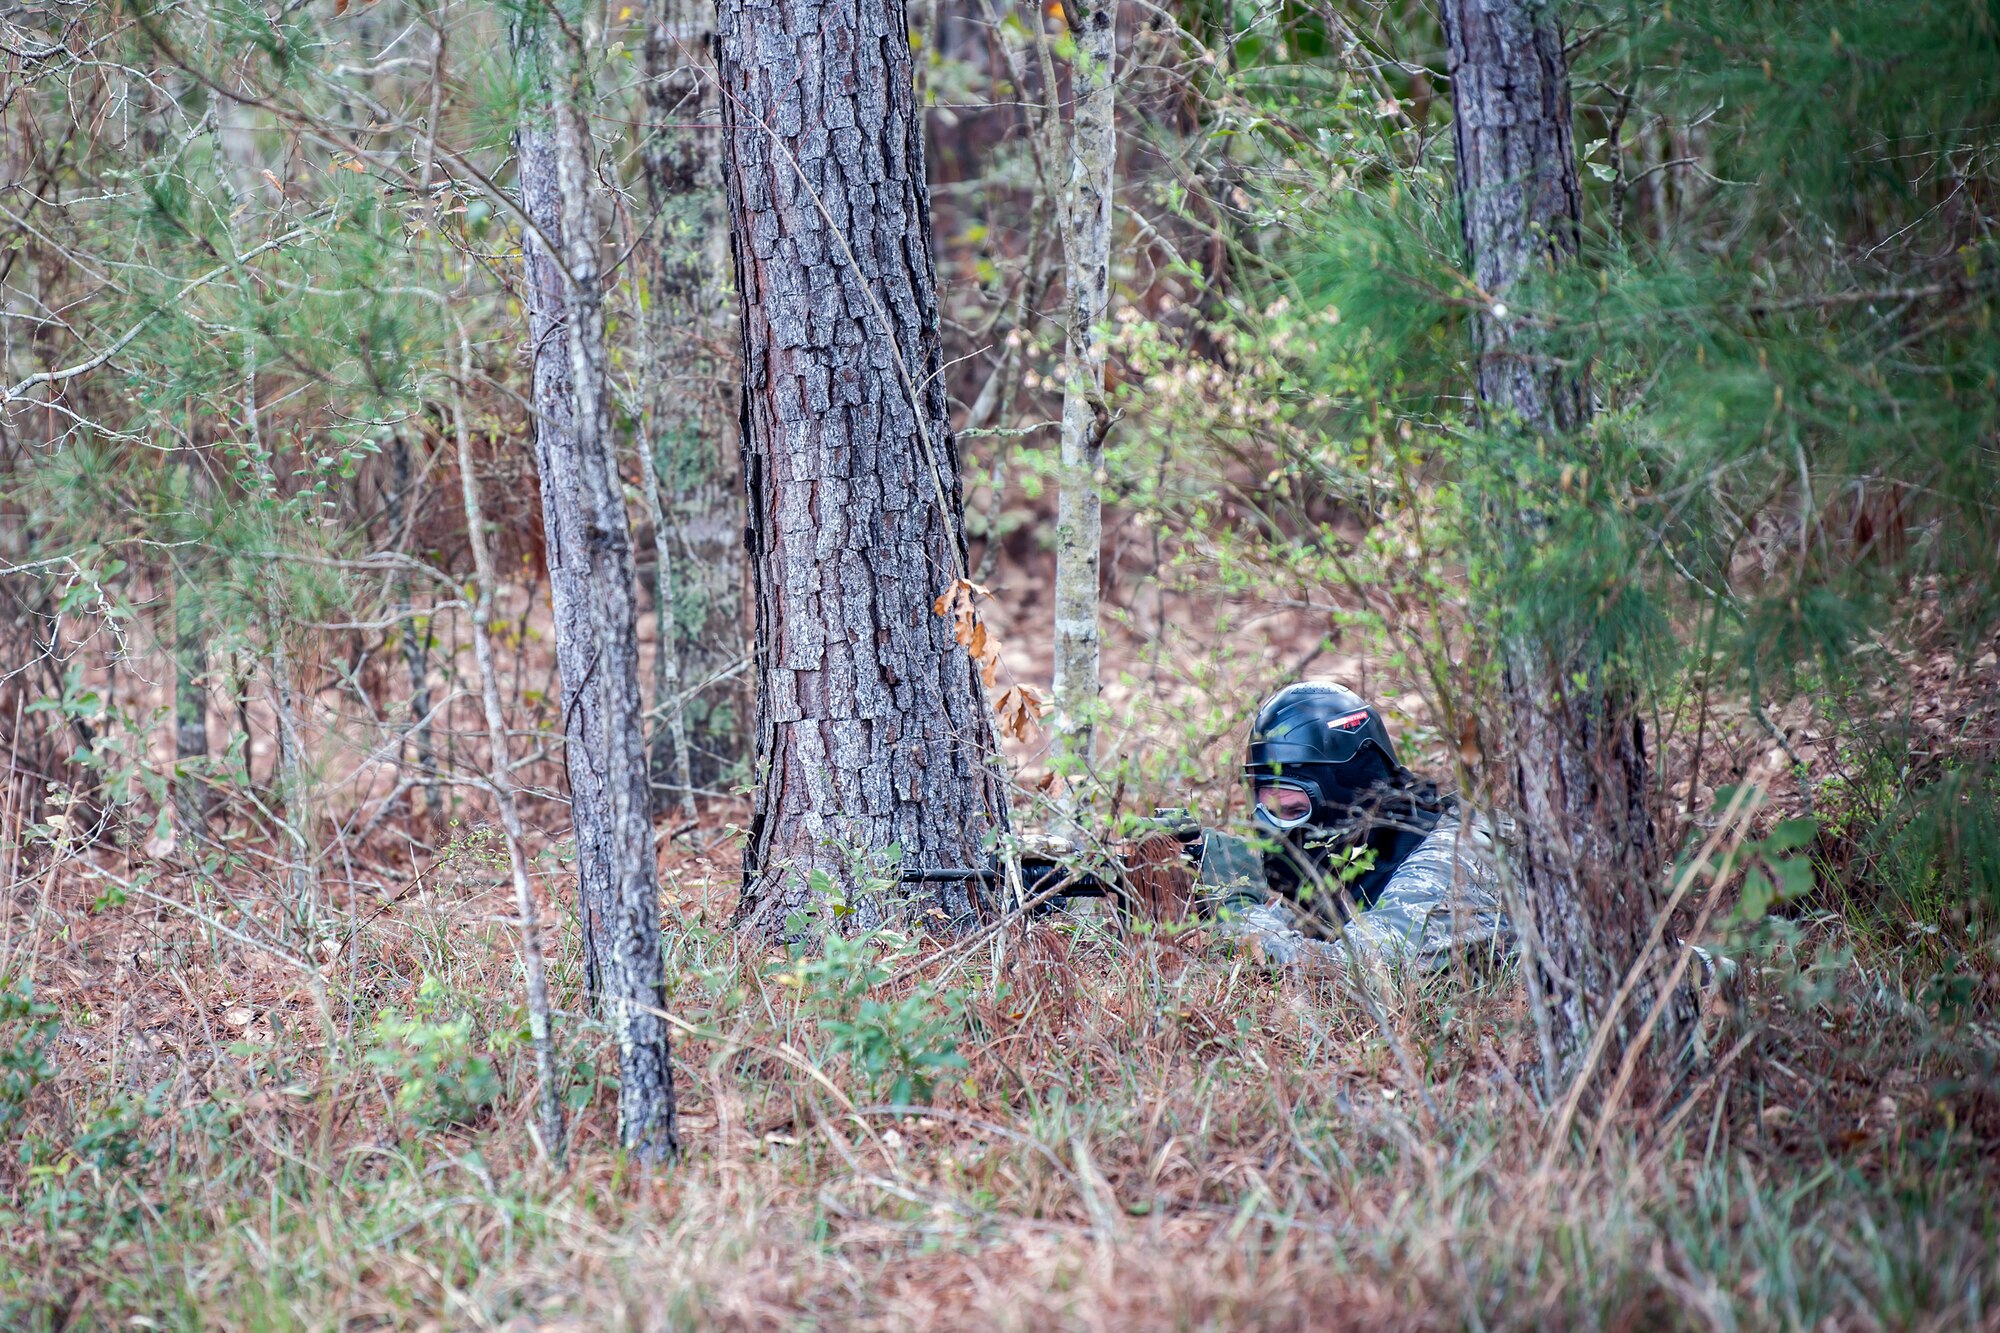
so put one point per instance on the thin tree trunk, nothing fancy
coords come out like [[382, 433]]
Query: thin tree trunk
[[190, 711], [670, 739], [416, 637], [568, 562], [994, 405], [633, 969], [995, 400], [500, 778], [1519, 194], [683, 190], [416, 641], [1589, 864], [872, 728], [190, 690], [294, 785], [1085, 212]]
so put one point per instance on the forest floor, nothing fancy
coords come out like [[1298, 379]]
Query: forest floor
[[252, 1120], [1140, 1134]]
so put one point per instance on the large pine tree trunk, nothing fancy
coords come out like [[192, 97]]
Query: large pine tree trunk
[[629, 953], [1589, 866], [872, 729]]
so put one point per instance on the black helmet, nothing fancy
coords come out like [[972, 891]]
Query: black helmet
[[1317, 751]]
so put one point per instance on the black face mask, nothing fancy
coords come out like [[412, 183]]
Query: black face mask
[[1325, 780], [1321, 799], [1365, 804]]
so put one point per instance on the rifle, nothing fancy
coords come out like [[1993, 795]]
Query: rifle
[[1050, 874], [1043, 879]]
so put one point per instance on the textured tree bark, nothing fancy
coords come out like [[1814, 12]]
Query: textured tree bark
[[1086, 236], [1589, 866], [568, 561], [629, 957], [872, 728], [1518, 191]]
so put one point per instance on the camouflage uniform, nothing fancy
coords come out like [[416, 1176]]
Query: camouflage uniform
[[1442, 901]]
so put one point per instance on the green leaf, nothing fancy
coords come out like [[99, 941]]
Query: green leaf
[[1792, 834], [1795, 877], [1758, 894]]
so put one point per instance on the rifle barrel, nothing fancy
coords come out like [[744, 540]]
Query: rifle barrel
[[1033, 875]]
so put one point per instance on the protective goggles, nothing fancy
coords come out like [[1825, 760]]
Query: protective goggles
[[1285, 802]]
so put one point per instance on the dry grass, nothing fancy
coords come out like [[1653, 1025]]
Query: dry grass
[[1143, 1134]]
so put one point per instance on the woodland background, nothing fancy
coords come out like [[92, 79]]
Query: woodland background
[[268, 1049]]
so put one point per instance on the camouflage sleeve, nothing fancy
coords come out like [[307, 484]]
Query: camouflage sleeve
[[1441, 902]]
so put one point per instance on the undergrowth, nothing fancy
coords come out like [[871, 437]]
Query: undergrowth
[[1060, 1128]]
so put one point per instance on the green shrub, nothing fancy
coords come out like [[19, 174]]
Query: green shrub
[[442, 1080], [26, 1029], [897, 1049]]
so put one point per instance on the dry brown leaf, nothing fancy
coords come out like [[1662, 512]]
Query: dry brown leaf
[[1468, 741], [1019, 708]]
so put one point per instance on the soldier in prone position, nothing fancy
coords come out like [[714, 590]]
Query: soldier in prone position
[[1354, 859], [1357, 859]]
